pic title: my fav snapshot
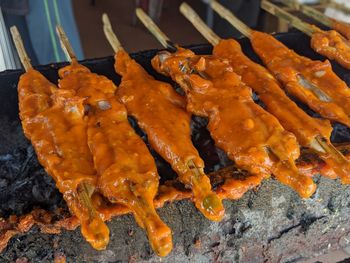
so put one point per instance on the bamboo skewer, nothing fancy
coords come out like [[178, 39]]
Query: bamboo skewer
[[309, 11], [294, 4], [342, 27], [65, 44], [23, 56], [110, 35], [155, 30], [193, 17], [293, 20], [84, 189], [227, 14]]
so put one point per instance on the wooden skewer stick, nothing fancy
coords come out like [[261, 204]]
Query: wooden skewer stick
[[227, 14], [212, 201], [65, 44], [198, 23], [110, 35], [320, 17], [339, 6], [85, 190], [309, 11], [294, 4], [155, 30], [23, 56], [293, 20]]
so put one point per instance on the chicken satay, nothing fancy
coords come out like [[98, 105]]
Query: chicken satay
[[339, 26], [161, 113], [305, 128], [127, 171], [328, 43], [318, 136], [292, 118], [250, 136], [312, 82], [332, 45], [53, 121], [342, 27]]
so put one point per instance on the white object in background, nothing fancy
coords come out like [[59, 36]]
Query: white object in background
[[344, 2], [7, 60], [337, 14]]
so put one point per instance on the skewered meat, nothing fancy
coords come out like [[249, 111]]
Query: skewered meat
[[295, 120], [54, 122], [328, 43], [161, 113], [127, 173], [292, 118], [332, 45], [310, 132], [250, 136], [341, 27], [313, 82]]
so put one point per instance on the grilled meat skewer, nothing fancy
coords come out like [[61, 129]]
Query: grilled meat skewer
[[250, 136], [161, 113], [53, 120], [330, 44], [126, 170], [303, 78], [339, 26]]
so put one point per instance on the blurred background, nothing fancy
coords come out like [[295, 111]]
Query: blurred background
[[81, 19]]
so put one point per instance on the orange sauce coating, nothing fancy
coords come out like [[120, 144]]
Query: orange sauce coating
[[249, 135], [312, 82], [292, 118], [342, 28], [54, 122], [332, 45], [126, 169], [161, 113]]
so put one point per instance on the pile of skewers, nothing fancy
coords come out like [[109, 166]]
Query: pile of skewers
[[82, 137]]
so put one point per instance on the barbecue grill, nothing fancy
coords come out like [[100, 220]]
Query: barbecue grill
[[271, 222]]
